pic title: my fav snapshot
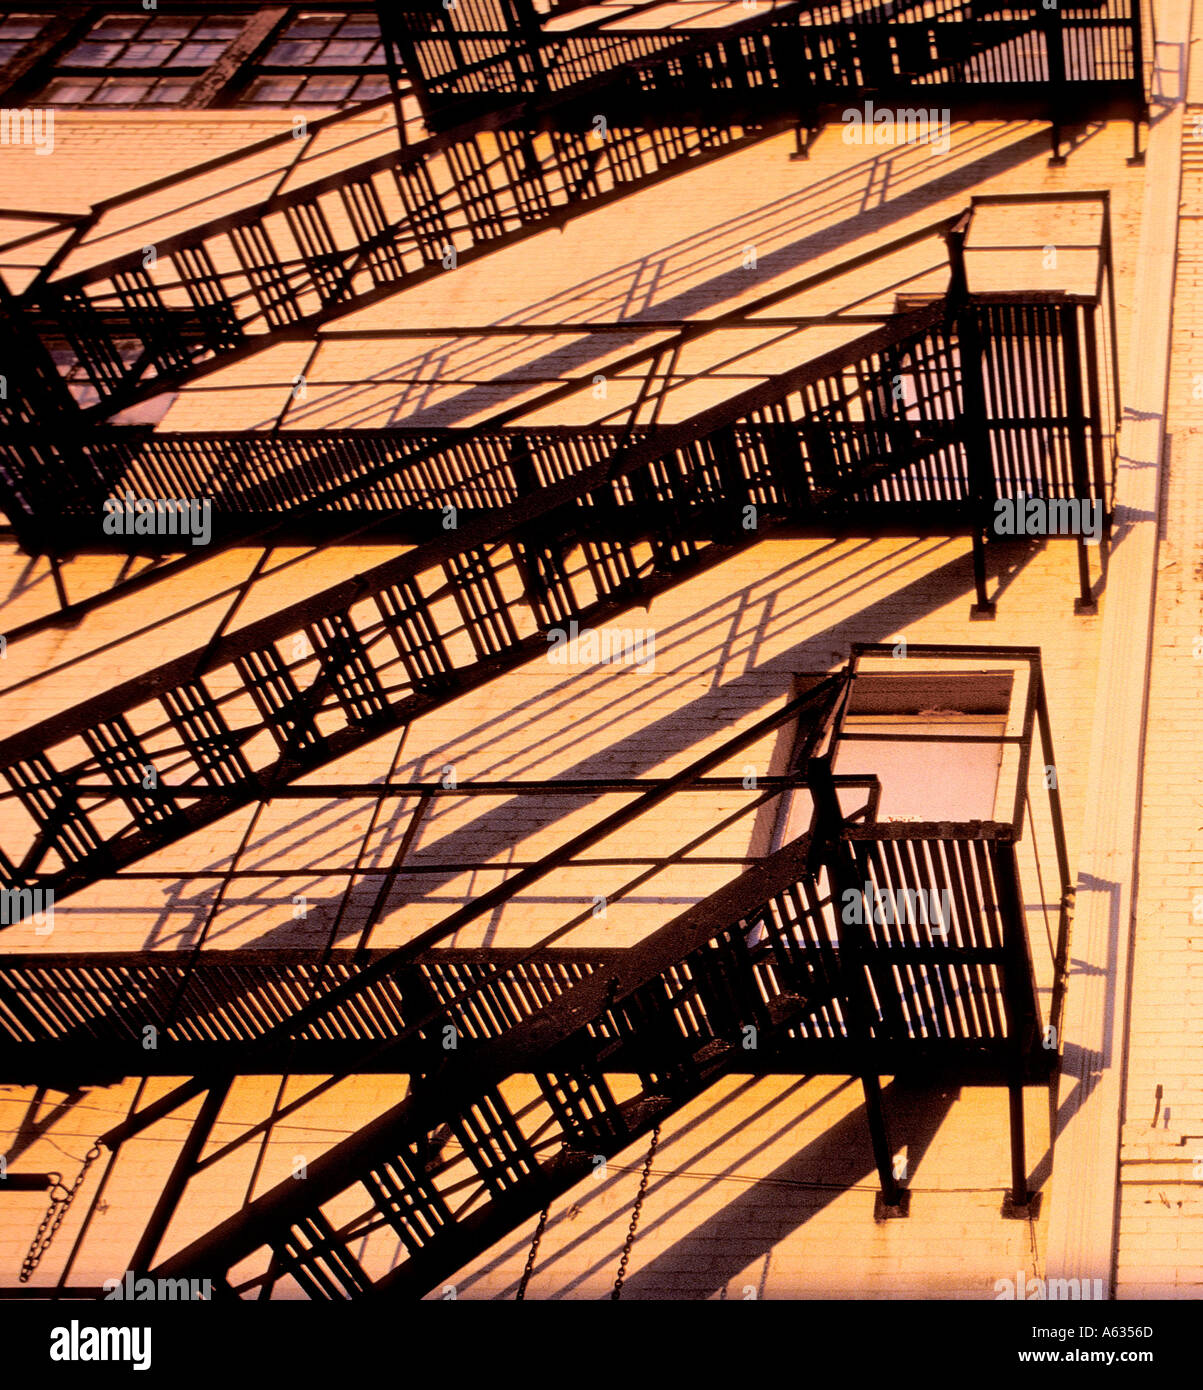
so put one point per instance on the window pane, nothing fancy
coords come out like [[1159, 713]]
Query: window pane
[[327, 89], [94, 54], [122, 91], [268, 90], [21, 26], [165, 28], [169, 89], [115, 26], [313, 25], [198, 55], [370, 88], [148, 55], [294, 53], [65, 91], [340, 52]]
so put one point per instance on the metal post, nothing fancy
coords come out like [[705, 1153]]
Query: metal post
[[831, 849], [1138, 79], [1020, 1196], [1055, 135], [804, 130], [1055, 51], [1019, 1001], [974, 435], [1075, 409], [1068, 889]]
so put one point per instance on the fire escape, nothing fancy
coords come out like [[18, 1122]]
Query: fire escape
[[963, 394]]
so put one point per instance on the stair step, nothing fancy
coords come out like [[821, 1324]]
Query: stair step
[[714, 1049], [643, 1109], [786, 1007]]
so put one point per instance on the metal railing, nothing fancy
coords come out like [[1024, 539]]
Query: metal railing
[[463, 67], [767, 955], [583, 538], [128, 330], [1040, 434], [125, 330]]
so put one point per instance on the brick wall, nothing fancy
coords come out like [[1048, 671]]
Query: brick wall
[[764, 1184]]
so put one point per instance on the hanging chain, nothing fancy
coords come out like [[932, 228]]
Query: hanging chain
[[534, 1250], [635, 1210], [61, 1197]]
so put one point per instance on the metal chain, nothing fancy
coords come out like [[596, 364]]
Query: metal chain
[[635, 1210], [534, 1250], [61, 1197]]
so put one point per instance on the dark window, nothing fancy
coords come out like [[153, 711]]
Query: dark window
[[16, 30], [347, 46], [318, 58], [126, 41]]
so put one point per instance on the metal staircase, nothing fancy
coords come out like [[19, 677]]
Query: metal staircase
[[593, 535], [467, 62], [764, 975], [240, 282]]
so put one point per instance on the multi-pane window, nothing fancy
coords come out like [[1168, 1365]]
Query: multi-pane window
[[138, 60], [128, 41], [316, 58], [347, 49], [16, 30]]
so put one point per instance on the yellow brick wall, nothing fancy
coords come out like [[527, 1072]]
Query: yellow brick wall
[[764, 1184]]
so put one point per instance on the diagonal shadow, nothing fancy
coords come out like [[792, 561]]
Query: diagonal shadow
[[819, 205], [746, 1229], [29, 1130], [675, 733], [591, 1235]]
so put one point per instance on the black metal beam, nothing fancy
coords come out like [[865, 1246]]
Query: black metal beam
[[229, 72], [828, 847]]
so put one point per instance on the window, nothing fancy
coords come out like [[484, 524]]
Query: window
[[128, 41], [347, 47], [130, 60], [317, 58], [16, 30], [945, 763], [933, 741]]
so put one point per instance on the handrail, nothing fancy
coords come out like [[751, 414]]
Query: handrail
[[689, 993], [823, 48], [530, 177], [556, 497]]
